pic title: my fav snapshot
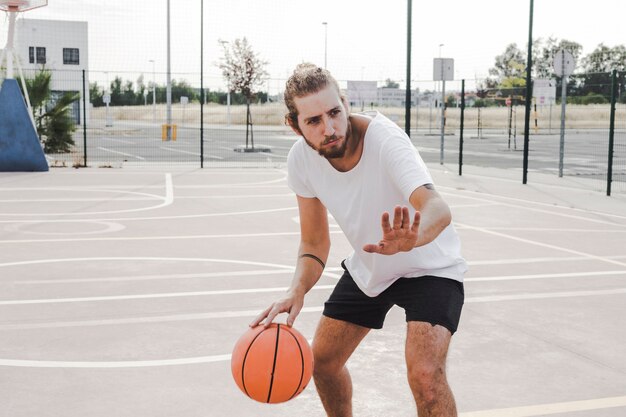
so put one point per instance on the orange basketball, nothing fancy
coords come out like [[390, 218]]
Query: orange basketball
[[273, 364]]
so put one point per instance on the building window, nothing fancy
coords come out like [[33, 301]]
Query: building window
[[31, 55], [70, 56], [41, 55]]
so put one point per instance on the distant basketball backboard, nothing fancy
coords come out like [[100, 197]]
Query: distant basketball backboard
[[21, 5]]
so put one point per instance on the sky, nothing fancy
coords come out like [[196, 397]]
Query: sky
[[365, 40]]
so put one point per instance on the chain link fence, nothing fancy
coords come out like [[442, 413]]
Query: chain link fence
[[121, 119]]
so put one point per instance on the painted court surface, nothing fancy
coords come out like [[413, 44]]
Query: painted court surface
[[122, 292]]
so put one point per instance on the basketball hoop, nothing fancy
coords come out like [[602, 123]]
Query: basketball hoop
[[21, 5], [13, 7]]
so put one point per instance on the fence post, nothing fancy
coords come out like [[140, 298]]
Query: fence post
[[462, 126], [84, 121], [202, 84], [609, 175]]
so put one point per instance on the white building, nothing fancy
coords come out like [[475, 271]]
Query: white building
[[59, 46], [362, 94]]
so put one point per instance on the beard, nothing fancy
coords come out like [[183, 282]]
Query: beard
[[336, 151]]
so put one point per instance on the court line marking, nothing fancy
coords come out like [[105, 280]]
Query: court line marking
[[187, 216], [220, 236], [455, 193], [122, 153], [53, 281], [110, 227], [254, 313], [191, 153], [154, 277], [167, 200], [538, 259], [553, 408], [545, 245], [272, 289]]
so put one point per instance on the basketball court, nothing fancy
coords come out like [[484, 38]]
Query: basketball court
[[124, 291]]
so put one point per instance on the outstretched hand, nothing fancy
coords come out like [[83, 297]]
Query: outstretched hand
[[402, 237]]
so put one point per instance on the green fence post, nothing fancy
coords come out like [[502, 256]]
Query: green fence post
[[461, 127], [84, 122], [609, 175]]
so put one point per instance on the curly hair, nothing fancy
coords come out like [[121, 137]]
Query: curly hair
[[306, 79]]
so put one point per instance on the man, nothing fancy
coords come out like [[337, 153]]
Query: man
[[358, 167]]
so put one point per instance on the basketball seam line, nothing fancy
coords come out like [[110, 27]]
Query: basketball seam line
[[243, 364], [301, 368], [269, 394]]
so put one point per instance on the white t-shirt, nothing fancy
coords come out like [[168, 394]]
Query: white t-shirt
[[389, 170]]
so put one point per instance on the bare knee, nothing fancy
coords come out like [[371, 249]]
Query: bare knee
[[426, 381], [325, 363]]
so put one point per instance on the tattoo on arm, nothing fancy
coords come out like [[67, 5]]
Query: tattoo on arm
[[309, 255]]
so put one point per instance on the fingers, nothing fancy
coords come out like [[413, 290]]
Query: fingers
[[258, 319], [416, 222], [405, 217], [371, 248], [271, 315], [385, 223], [397, 218]]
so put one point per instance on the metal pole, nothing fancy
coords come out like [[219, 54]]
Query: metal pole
[[443, 117], [169, 78], [153, 93], [462, 124], [325, 44], [201, 83], [9, 48], [407, 99], [563, 105], [529, 65], [609, 174], [84, 120]]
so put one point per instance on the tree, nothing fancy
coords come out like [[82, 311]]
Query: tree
[[96, 95], [543, 55], [52, 117], [510, 65], [597, 67], [245, 71], [389, 83]]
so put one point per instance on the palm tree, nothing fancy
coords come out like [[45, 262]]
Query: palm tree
[[52, 117]]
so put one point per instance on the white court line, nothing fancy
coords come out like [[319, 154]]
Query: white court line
[[75, 200], [173, 217], [254, 313], [190, 153], [168, 199], [122, 153], [226, 357], [547, 409], [160, 238], [455, 193], [538, 259], [262, 290], [214, 197], [546, 245], [154, 277]]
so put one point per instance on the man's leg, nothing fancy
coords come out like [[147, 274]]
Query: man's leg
[[334, 342], [426, 350]]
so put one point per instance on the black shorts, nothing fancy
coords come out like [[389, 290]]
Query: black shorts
[[429, 299]]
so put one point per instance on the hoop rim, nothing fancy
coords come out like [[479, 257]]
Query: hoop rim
[[21, 5]]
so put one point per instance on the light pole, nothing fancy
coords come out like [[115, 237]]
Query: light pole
[[168, 91], [224, 43], [325, 44], [153, 93]]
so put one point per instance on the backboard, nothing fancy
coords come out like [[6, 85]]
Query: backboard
[[21, 5]]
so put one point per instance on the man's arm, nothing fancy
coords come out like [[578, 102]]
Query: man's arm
[[312, 254], [434, 212]]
